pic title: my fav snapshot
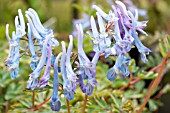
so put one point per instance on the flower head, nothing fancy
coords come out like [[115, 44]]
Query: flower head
[[13, 59], [55, 101], [101, 41], [86, 67], [69, 77], [33, 79]]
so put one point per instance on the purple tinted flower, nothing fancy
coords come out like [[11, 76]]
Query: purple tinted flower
[[70, 74], [55, 101], [33, 79], [69, 77], [122, 9], [86, 67], [46, 76], [84, 62], [141, 48]]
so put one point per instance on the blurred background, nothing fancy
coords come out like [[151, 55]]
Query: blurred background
[[59, 15]]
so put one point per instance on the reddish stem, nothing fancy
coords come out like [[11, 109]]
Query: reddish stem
[[155, 83], [39, 106], [68, 106], [85, 101], [138, 79]]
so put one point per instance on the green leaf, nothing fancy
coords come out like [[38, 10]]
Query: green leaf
[[147, 75], [152, 105]]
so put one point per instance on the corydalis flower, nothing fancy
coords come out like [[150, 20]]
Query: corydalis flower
[[13, 59], [128, 22], [39, 32], [120, 67], [69, 77], [34, 57], [46, 76], [14, 56], [141, 48], [110, 17], [55, 101], [86, 67], [101, 41], [33, 79]]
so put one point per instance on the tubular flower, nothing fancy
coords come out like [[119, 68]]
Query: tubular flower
[[69, 77], [119, 24], [55, 101], [46, 76], [141, 48], [37, 28], [86, 67], [126, 26], [33, 79], [121, 66], [34, 57], [13, 59], [101, 41]]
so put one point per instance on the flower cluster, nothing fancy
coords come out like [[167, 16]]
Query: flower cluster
[[112, 34]]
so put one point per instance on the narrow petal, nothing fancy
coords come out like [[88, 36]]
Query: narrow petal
[[101, 24], [37, 26], [94, 28], [21, 18], [102, 13], [46, 76], [37, 19], [34, 31], [7, 32]]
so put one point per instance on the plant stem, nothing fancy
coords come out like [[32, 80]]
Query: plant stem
[[138, 79], [38, 107], [33, 99], [68, 106], [155, 83], [85, 101]]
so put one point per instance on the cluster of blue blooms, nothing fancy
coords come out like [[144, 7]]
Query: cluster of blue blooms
[[119, 24]]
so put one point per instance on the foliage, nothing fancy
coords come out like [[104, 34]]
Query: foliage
[[107, 96]]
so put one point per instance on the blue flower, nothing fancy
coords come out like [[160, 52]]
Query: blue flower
[[34, 57], [121, 66], [20, 25], [55, 101], [141, 48], [86, 67], [33, 79], [46, 76], [13, 59], [101, 41], [69, 77], [37, 28], [110, 17]]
